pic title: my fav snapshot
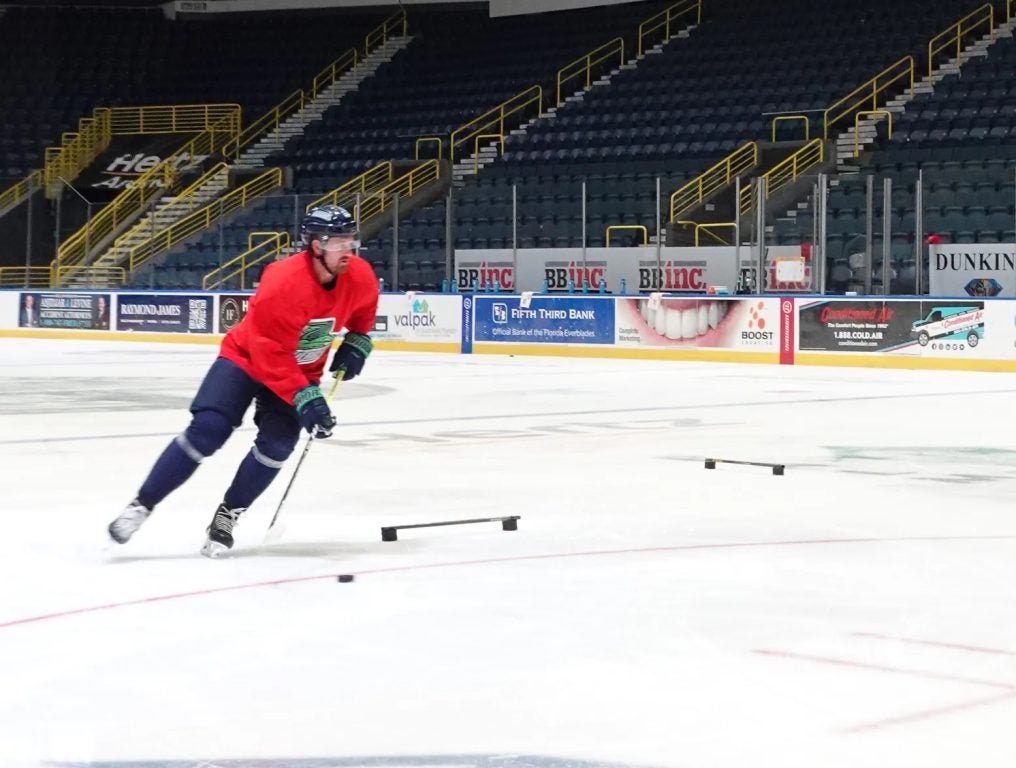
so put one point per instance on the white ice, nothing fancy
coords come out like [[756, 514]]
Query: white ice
[[858, 611]]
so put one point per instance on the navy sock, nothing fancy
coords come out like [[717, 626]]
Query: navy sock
[[171, 470], [252, 478]]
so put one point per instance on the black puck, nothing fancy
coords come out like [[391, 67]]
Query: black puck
[[345, 577]]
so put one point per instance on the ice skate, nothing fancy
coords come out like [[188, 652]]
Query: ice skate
[[220, 531], [125, 526]]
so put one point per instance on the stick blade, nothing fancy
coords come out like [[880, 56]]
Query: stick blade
[[274, 533]]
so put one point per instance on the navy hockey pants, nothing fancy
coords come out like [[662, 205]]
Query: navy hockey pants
[[218, 408]]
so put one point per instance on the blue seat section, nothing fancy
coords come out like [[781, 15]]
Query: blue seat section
[[674, 114], [961, 139], [460, 64], [187, 263], [59, 63], [971, 110]]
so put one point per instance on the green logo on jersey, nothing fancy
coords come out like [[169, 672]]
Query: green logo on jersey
[[315, 341]]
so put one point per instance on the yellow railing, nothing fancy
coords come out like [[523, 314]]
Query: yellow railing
[[494, 120], [77, 150], [395, 25], [708, 229], [428, 139], [793, 118], [405, 186], [204, 217], [146, 187], [638, 227], [181, 200], [714, 179], [25, 277], [52, 276], [857, 125], [122, 209], [169, 118], [664, 20], [273, 118], [866, 95], [20, 191], [584, 65], [91, 276], [269, 121], [272, 245], [785, 173], [369, 181], [327, 76], [956, 32]]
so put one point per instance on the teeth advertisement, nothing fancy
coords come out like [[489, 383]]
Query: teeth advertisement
[[741, 324]]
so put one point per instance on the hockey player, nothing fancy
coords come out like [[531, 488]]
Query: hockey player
[[274, 358]]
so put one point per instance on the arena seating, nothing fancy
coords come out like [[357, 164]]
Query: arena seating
[[461, 63], [962, 138], [671, 117], [59, 63]]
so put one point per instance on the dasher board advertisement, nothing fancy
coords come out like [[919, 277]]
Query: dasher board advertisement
[[64, 310], [556, 270], [544, 320], [983, 269], [891, 326], [164, 313], [699, 323], [418, 317], [232, 309]]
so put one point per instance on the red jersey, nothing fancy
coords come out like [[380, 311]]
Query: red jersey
[[284, 338]]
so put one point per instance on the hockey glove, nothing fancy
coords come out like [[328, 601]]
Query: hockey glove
[[314, 413], [351, 355]]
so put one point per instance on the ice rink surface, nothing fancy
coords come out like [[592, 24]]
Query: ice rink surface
[[858, 611]]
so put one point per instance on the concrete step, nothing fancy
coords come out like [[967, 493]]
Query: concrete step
[[861, 139]]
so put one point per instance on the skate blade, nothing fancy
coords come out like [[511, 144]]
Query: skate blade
[[213, 549]]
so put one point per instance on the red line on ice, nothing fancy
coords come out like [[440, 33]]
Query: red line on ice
[[928, 713], [937, 644], [926, 674], [487, 561]]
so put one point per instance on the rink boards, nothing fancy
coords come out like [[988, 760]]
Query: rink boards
[[947, 333]]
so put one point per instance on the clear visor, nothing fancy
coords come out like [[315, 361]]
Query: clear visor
[[339, 243]]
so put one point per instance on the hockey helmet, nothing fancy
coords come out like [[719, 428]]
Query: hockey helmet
[[327, 221]]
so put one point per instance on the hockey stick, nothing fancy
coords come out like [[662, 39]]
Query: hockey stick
[[276, 529]]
